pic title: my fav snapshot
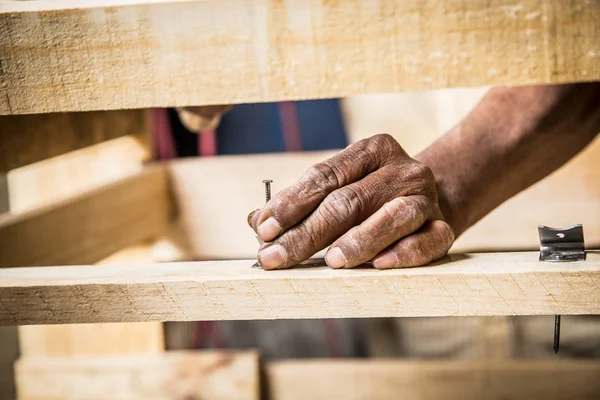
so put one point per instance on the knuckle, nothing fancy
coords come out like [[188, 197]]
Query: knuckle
[[324, 176], [343, 204]]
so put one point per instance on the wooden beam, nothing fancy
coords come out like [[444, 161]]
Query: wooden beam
[[204, 188], [88, 227], [28, 139], [472, 284], [76, 172], [207, 375], [64, 56], [432, 380]]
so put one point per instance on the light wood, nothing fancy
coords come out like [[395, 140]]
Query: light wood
[[28, 139], [473, 284], [432, 380], [73, 173], [268, 50], [215, 195], [186, 375], [97, 339], [93, 225]]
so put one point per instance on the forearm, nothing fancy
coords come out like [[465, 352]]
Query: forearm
[[513, 138]]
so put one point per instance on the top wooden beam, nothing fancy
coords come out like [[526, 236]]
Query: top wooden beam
[[66, 56], [474, 284]]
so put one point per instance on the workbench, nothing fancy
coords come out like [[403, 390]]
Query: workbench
[[97, 243]]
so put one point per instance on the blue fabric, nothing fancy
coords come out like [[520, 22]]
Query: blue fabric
[[321, 125], [256, 128]]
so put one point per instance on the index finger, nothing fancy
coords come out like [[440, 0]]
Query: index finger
[[290, 206]]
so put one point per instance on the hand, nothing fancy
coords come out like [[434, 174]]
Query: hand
[[369, 202]]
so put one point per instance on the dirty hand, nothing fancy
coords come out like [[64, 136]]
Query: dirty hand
[[369, 202]]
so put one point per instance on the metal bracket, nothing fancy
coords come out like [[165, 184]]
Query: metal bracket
[[561, 245], [558, 244]]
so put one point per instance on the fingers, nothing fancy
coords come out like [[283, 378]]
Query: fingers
[[340, 211], [292, 205], [428, 244], [394, 220]]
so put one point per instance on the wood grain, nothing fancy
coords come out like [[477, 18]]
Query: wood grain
[[75, 172], [153, 55], [88, 227], [472, 284], [28, 139], [97, 339], [432, 380], [186, 375]]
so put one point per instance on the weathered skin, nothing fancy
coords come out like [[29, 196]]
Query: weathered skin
[[372, 202]]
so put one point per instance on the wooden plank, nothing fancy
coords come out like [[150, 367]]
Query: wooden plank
[[432, 380], [70, 174], [88, 227], [186, 375], [97, 339], [206, 187], [28, 139], [472, 284], [56, 59]]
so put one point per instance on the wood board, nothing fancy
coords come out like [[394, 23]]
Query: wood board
[[210, 375], [66, 56], [61, 177], [90, 226], [432, 380], [470, 284], [28, 139]]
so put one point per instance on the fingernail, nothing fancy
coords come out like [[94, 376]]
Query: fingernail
[[250, 217], [269, 229], [335, 258], [385, 261], [272, 257]]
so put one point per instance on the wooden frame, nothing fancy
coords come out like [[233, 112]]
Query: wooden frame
[[123, 54], [75, 55]]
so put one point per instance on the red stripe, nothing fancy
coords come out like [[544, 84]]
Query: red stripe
[[207, 143], [164, 147], [292, 138]]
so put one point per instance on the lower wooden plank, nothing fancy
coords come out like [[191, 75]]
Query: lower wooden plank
[[88, 227], [471, 284], [432, 380], [186, 375]]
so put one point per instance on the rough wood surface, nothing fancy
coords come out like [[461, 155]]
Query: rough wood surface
[[172, 376], [215, 195], [472, 284], [432, 380], [86, 228], [153, 55], [27, 139], [97, 339], [75, 172]]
